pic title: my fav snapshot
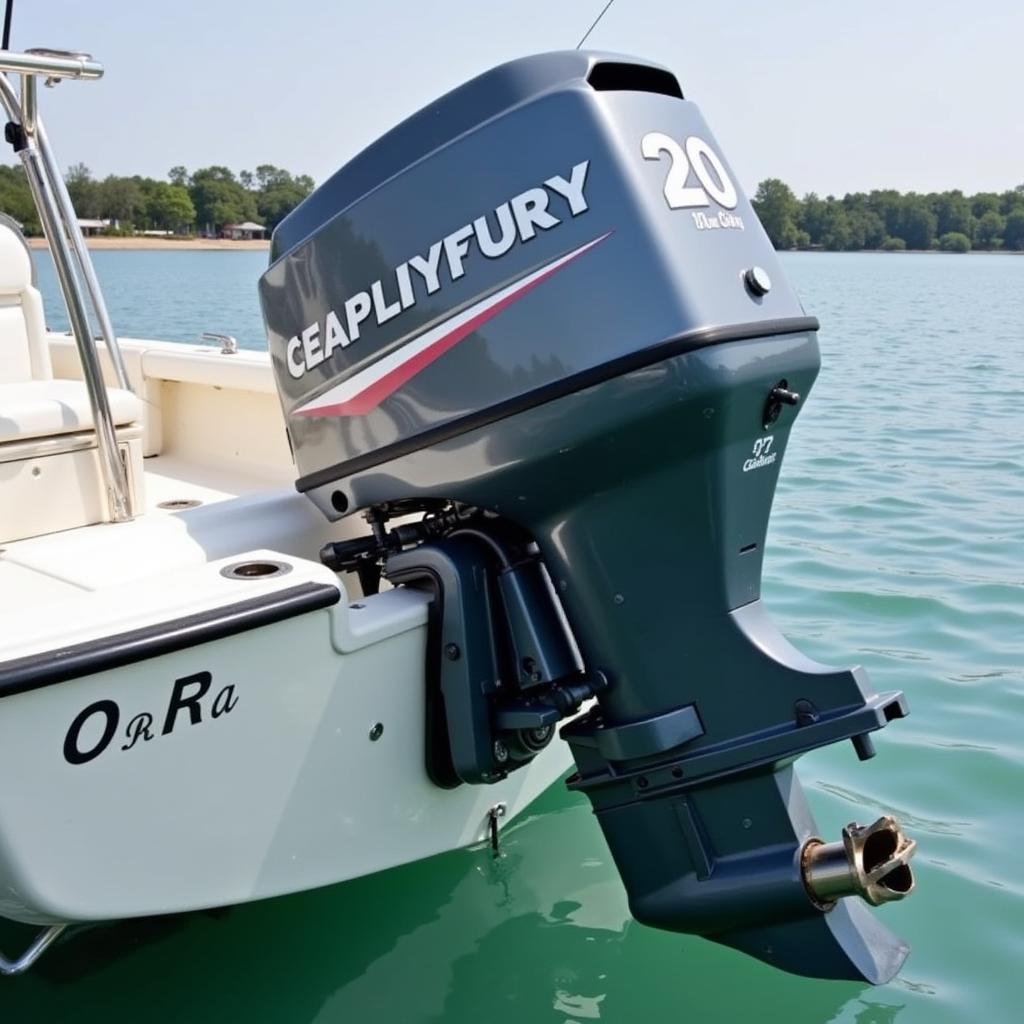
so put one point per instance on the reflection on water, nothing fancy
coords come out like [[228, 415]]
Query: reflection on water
[[463, 937], [912, 822], [876, 1013], [897, 541]]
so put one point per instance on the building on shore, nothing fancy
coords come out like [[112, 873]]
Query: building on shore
[[245, 231], [93, 226]]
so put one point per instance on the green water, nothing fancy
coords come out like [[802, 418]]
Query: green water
[[897, 541]]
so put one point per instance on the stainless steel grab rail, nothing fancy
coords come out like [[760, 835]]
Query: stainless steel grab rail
[[60, 226], [38, 947], [228, 342], [74, 235], [52, 63]]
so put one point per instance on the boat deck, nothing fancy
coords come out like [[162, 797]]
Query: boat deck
[[107, 578], [217, 484]]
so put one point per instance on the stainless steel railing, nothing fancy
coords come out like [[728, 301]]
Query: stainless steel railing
[[74, 235], [67, 247], [52, 63]]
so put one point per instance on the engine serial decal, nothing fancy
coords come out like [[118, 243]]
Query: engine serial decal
[[762, 454], [518, 220]]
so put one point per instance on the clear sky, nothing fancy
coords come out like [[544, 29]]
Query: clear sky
[[831, 97]]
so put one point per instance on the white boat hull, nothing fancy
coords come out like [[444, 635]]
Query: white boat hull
[[276, 786]]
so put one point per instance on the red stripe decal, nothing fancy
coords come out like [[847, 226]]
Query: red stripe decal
[[367, 399]]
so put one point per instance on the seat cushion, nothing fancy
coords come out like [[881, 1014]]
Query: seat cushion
[[24, 354], [44, 408], [23, 350]]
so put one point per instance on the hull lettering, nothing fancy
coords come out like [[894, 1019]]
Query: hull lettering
[[82, 745]]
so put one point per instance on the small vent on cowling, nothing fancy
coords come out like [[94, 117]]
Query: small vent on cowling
[[612, 76]]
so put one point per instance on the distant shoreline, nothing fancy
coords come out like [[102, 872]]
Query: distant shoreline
[[914, 252], [142, 242], [139, 242]]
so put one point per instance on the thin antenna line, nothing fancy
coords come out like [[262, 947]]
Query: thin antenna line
[[5, 43], [604, 10]]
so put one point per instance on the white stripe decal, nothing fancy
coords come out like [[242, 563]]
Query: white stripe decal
[[363, 391]]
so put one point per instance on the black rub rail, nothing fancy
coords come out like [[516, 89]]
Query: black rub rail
[[63, 663]]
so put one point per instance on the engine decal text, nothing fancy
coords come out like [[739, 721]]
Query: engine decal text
[[711, 221], [518, 220], [762, 454], [694, 157], [363, 391]]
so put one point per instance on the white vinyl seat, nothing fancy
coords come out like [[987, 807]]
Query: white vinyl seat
[[49, 472], [32, 403], [24, 354], [46, 408]]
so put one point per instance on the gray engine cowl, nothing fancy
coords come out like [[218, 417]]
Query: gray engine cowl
[[553, 223]]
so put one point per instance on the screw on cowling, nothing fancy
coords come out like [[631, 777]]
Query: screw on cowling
[[805, 713], [757, 281]]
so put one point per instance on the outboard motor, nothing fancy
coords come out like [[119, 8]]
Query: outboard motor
[[541, 315]]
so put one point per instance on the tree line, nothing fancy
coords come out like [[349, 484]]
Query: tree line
[[207, 199], [201, 201], [891, 220]]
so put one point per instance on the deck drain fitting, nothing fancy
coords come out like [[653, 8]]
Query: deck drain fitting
[[255, 570], [177, 504]]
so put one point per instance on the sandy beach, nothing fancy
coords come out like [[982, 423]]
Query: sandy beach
[[178, 244]]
